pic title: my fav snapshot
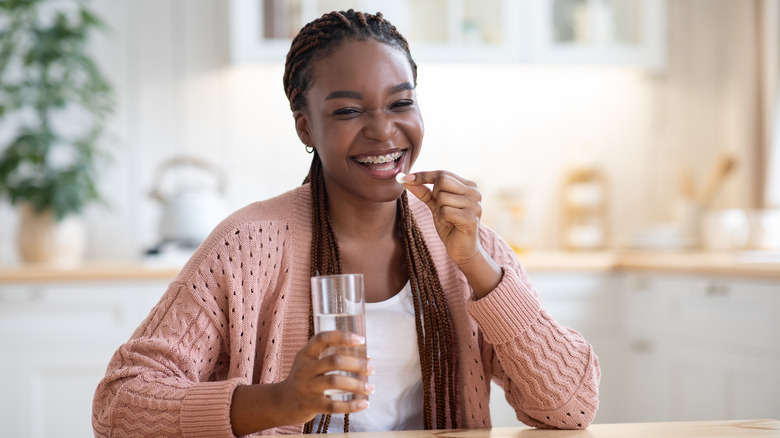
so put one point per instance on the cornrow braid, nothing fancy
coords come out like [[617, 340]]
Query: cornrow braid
[[432, 318]]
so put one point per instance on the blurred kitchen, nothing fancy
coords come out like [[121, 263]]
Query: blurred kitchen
[[629, 150]]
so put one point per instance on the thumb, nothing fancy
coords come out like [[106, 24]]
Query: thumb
[[416, 186]]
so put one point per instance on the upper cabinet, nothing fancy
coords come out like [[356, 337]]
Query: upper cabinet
[[622, 32], [618, 32]]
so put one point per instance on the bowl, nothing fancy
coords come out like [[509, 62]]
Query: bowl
[[725, 230]]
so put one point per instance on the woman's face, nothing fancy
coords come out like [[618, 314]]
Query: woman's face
[[362, 117]]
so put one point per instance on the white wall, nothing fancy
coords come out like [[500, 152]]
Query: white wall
[[505, 125]]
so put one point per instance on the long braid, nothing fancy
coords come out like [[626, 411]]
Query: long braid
[[432, 319], [325, 259], [437, 340]]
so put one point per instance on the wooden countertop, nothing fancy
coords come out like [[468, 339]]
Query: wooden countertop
[[747, 265], [702, 429], [738, 264], [129, 271]]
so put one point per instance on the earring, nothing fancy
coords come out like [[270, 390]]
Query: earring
[[309, 149]]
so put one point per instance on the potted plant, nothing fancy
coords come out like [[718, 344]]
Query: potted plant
[[53, 104]]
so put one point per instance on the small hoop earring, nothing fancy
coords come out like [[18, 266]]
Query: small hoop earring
[[309, 149]]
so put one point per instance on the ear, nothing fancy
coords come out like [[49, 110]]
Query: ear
[[302, 127]]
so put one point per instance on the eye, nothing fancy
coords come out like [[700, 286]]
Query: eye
[[346, 112], [402, 105]]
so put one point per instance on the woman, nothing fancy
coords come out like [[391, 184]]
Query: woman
[[230, 347]]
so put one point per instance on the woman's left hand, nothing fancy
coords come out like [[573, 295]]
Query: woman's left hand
[[456, 204]]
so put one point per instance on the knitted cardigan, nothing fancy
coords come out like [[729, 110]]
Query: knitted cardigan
[[238, 313]]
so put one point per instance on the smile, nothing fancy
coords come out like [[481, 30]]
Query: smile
[[379, 159], [375, 162]]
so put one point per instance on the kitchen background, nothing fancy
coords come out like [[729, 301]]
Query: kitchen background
[[521, 123], [645, 134]]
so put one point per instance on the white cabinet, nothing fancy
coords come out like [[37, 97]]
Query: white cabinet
[[624, 32], [57, 340], [700, 348], [671, 347], [710, 383], [644, 371]]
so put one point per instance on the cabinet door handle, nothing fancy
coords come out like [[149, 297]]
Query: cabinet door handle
[[27, 295], [642, 346], [714, 290], [638, 283]]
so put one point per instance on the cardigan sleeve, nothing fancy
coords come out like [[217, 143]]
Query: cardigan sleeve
[[152, 387], [549, 373]]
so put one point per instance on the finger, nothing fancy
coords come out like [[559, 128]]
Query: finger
[[348, 407], [418, 178], [416, 184], [441, 181], [461, 219], [341, 360], [328, 339], [360, 387], [436, 177], [454, 200], [424, 194]]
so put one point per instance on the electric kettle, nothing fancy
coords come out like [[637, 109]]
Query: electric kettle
[[190, 208]]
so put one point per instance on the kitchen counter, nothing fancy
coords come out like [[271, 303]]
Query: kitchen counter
[[708, 429], [128, 271], [738, 264], [746, 264]]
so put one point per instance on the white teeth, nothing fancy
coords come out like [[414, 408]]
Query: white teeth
[[379, 159]]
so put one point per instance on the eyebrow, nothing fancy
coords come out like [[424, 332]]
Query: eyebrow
[[347, 94], [403, 86]]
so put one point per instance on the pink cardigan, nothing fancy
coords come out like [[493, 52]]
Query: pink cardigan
[[238, 313]]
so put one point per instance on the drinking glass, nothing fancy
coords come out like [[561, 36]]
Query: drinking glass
[[339, 304]]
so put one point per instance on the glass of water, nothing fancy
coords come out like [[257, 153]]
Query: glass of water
[[338, 303]]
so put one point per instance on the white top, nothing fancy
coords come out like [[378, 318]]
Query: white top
[[391, 342]]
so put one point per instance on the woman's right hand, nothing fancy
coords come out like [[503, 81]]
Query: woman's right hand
[[304, 389], [301, 396]]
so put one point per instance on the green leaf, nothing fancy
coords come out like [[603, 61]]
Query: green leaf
[[59, 74]]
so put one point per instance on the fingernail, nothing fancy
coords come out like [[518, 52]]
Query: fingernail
[[370, 388], [357, 339], [371, 370], [363, 404]]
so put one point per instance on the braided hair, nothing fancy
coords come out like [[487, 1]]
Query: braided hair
[[432, 319]]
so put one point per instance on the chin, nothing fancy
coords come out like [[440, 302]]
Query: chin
[[390, 195]]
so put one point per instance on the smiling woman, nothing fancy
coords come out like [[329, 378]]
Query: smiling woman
[[231, 348]]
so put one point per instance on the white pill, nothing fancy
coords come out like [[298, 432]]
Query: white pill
[[400, 178]]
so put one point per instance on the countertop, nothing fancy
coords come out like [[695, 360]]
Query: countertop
[[739, 264], [701, 429], [758, 265]]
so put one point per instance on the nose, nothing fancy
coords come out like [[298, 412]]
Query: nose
[[380, 126]]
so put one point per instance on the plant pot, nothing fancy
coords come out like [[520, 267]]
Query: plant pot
[[44, 240]]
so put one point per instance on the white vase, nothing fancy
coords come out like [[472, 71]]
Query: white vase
[[45, 240]]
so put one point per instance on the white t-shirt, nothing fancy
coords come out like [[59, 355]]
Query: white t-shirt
[[391, 342]]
